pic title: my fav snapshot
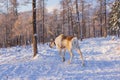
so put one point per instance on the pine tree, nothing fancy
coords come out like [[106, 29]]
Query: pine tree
[[114, 19]]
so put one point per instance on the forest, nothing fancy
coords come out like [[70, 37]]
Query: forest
[[81, 18], [92, 29]]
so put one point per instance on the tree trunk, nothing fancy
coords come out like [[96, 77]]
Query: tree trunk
[[105, 32], [83, 21], [63, 21], [78, 22], [34, 28], [94, 27], [68, 16], [71, 17], [43, 24], [101, 32]]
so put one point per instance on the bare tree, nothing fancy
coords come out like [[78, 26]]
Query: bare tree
[[83, 18], [63, 15], [68, 15], [71, 16], [34, 28], [43, 23], [78, 21], [105, 18], [101, 31]]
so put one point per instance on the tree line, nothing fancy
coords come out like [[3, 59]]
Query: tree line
[[81, 18]]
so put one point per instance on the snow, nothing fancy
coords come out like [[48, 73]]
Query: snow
[[101, 55]]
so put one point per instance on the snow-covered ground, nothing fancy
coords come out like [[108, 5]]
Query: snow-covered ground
[[101, 55]]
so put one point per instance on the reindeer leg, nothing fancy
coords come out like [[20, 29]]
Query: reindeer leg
[[79, 51], [64, 55], [71, 56], [61, 55], [60, 51]]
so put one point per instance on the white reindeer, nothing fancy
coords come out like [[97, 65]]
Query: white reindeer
[[66, 42]]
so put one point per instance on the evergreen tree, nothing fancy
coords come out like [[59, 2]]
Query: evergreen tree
[[114, 19]]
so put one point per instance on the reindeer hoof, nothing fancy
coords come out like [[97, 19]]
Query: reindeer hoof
[[63, 59], [83, 64], [69, 62]]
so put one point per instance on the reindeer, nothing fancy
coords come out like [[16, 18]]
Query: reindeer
[[69, 43]]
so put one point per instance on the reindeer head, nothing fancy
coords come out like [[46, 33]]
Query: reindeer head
[[52, 43]]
